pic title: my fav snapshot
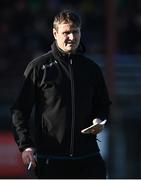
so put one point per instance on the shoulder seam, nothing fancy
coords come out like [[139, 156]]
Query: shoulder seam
[[34, 62]]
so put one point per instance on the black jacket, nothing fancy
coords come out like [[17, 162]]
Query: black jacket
[[68, 92]]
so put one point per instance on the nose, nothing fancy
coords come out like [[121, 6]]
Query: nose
[[71, 36]]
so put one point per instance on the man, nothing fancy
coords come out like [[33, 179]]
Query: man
[[68, 91]]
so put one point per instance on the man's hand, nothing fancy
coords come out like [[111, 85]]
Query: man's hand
[[28, 157], [98, 127]]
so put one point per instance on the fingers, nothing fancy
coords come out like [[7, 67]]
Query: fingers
[[96, 121], [28, 158], [98, 129]]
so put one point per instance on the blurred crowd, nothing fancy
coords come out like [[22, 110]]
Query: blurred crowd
[[129, 26], [26, 27], [26, 31]]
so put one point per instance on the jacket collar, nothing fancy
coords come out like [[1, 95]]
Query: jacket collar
[[60, 55]]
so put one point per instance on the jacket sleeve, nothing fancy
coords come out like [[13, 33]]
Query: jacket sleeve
[[21, 110], [102, 101]]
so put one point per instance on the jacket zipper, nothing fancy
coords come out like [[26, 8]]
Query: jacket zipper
[[73, 110]]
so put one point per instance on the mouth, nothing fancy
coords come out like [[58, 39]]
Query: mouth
[[71, 44]]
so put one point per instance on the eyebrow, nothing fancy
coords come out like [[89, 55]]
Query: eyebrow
[[73, 31]]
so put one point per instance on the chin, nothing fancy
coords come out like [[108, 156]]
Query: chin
[[71, 51]]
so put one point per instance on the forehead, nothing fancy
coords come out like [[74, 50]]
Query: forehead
[[64, 26]]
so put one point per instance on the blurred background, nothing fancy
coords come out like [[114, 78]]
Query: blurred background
[[111, 32]]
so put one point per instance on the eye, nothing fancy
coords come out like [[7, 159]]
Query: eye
[[75, 32], [66, 33]]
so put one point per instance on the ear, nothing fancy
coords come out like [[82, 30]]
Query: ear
[[54, 33]]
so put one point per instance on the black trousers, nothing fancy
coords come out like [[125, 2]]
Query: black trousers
[[88, 168]]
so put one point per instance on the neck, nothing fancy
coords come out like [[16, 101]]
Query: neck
[[68, 53]]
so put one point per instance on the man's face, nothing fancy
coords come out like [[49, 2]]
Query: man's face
[[67, 37]]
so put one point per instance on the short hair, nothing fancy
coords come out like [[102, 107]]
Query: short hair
[[67, 16]]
